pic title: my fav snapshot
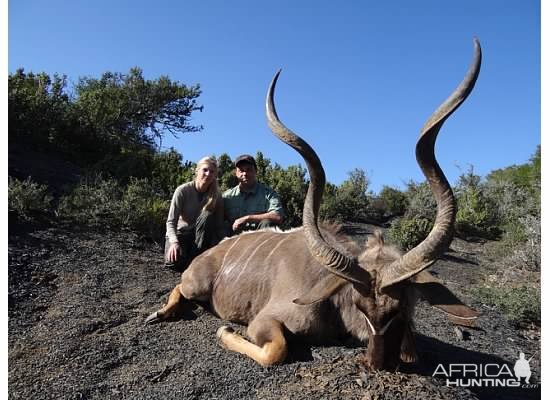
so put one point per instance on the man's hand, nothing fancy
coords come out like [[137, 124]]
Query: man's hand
[[174, 252], [239, 221]]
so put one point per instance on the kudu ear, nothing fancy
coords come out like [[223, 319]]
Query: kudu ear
[[322, 290], [439, 296]]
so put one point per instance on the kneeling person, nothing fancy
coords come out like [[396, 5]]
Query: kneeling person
[[250, 205], [195, 219]]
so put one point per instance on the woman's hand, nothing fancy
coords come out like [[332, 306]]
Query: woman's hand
[[174, 252]]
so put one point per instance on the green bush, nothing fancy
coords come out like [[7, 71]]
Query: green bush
[[525, 176], [409, 231], [226, 173], [476, 215], [143, 210], [290, 185], [519, 304], [168, 171], [137, 206], [165, 169], [26, 197], [349, 201], [328, 207], [511, 205], [387, 204], [520, 248], [95, 201], [421, 202], [126, 164], [514, 235]]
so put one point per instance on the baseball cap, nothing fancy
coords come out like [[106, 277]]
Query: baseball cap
[[246, 158]]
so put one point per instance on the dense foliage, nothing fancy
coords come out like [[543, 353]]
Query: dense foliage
[[349, 201], [103, 118], [27, 197]]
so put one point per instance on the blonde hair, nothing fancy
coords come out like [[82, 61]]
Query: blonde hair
[[213, 191]]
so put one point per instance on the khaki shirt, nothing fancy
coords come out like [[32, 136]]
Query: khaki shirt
[[185, 208], [262, 199]]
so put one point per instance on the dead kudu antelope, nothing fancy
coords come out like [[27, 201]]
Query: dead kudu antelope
[[313, 283]]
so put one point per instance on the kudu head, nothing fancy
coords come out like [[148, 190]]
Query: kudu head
[[385, 280]]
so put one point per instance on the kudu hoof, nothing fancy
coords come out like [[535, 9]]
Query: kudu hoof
[[223, 329], [153, 318]]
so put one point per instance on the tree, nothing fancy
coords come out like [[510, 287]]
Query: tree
[[389, 203], [525, 176], [226, 172], [349, 202], [291, 185], [106, 118], [168, 171], [38, 110], [262, 165], [329, 204], [128, 111]]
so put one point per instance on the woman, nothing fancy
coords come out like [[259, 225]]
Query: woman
[[195, 219]]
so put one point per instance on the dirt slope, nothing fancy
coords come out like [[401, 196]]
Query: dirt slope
[[77, 301]]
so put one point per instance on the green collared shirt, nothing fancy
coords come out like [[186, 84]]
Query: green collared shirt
[[261, 200]]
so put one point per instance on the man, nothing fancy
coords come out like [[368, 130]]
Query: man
[[250, 205]]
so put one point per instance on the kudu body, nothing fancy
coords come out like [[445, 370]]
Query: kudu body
[[315, 283]]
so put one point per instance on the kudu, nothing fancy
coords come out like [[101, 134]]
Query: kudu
[[314, 284]]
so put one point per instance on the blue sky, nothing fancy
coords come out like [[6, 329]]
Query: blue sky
[[359, 77]]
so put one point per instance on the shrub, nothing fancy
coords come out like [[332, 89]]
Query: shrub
[[349, 201], [523, 236], [143, 210], [476, 212], [421, 203], [328, 209], [510, 201], [126, 163], [525, 176], [513, 284], [519, 304], [226, 173], [95, 201], [169, 171], [26, 197], [387, 204], [409, 232], [520, 247], [136, 206], [476, 215], [291, 187], [394, 200], [415, 225]]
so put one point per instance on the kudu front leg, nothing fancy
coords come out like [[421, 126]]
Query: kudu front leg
[[172, 308], [271, 347]]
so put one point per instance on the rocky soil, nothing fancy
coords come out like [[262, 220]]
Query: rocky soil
[[78, 299]]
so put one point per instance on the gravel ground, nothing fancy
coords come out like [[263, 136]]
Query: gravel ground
[[77, 302]]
